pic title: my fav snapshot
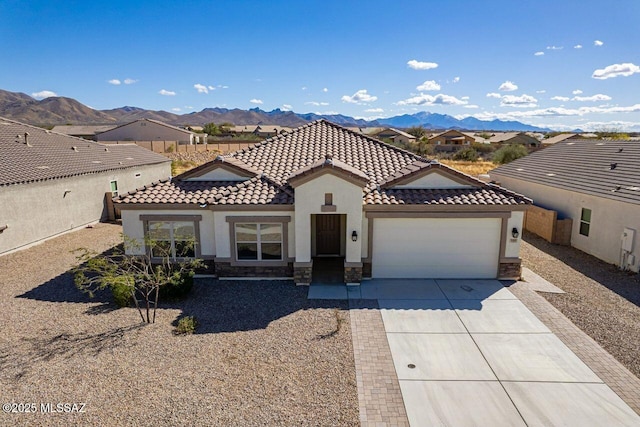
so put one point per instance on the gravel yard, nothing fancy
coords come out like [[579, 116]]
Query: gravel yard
[[263, 354], [600, 299]]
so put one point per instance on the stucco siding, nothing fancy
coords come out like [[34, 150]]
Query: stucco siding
[[310, 197], [608, 218], [37, 211], [145, 131]]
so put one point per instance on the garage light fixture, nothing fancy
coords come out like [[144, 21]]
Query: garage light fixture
[[515, 233], [354, 236]]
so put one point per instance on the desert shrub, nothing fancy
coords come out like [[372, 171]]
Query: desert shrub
[[186, 325], [467, 154], [484, 148], [509, 153], [178, 286], [121, 294]]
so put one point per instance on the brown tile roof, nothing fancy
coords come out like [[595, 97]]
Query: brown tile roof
[[609, 169], [329, 163], [48, 155], [290, 155]]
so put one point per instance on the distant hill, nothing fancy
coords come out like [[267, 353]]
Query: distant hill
[[59, 110]]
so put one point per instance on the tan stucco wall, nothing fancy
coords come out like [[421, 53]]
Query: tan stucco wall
[[347, 198], [608, 218], [37, 211]]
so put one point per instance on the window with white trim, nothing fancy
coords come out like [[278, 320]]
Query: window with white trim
[[114, 188], [585, 221], [173, 239], [258, 241]]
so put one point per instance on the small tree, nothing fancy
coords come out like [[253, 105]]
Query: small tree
[[211, 129], [509, 153], [417, 131], [142, 275], [466, 154]]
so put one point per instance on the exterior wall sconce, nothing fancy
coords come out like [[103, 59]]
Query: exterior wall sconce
[[354, 236], [515, 233]]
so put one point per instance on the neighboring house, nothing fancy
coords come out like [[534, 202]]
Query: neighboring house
[[150, 130], [558, 138], [82, 131], [52, 183], [451, 140], [323, 191], [395, 135], [506, 138], [596, 184], [263, 131]]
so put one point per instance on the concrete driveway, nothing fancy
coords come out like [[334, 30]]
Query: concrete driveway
[[468, 353]]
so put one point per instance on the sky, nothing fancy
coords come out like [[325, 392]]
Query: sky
[[562, 64]]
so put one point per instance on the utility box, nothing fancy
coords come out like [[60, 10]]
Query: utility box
[[627, 239]]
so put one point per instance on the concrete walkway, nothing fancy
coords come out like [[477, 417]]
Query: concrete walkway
[[468, 352]]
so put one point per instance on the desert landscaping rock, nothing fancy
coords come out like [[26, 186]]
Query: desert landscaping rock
[[601, 300], [262, 355]]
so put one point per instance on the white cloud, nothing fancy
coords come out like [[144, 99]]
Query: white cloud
[[494, 95], [541, 91], [555, 47], [522, 101], [428, 85], [256, 101], [577, 92], [43, 94], [189, 107], [129, 81], [464, 97], [593, 98], [578, 46], [211, 87], [167, 92], [598, 43], [303, 88], [286, 107], [508, 86], [176, 109], [420, 65], [615, 70], [557, 112], [374, 110], [440, 99], [325, 89], [456, 79], [223, 86], [316, 103], [560, 98], [359, 97], [201, 88], [471, 106], [539, 53], [115, 82]]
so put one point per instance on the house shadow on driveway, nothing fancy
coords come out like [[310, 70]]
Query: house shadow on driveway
[[622, 283], [244, 305]]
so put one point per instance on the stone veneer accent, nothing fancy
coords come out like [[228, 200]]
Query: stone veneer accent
[[302, 273], [510, 270], [352, 274], [225, 269]]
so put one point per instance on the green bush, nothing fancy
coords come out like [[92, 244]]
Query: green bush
[[121, 294], [467, 154], [509, 153], [483, 148], [178, 286], [186, 325]]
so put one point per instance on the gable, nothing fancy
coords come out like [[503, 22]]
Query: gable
[[433, 180], [218, 173], [220, 169]]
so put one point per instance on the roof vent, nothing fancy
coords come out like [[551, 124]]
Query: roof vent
[[618, 187], [612, 166], [26, 139], [106, 149], [74, 148], [328, 158], [620, 150], [220, 158], [551, 174]]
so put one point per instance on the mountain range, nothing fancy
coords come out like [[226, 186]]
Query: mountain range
[[60, 110]]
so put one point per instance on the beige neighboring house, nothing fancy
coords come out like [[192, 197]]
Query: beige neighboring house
[[395, 135], [506, 138], [596, 184], [451, 140], [559, 138], [263, 131], [150, 130], [52, 183], [322, 192], [82, 131]]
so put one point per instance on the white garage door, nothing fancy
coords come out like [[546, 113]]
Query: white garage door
[[436, 248]]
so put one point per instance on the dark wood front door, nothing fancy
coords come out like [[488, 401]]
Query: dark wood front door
[[328, 234]]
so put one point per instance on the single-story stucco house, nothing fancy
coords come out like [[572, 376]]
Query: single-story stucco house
[[321, 190], [150, 130], [595, 183], [52, 183]]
